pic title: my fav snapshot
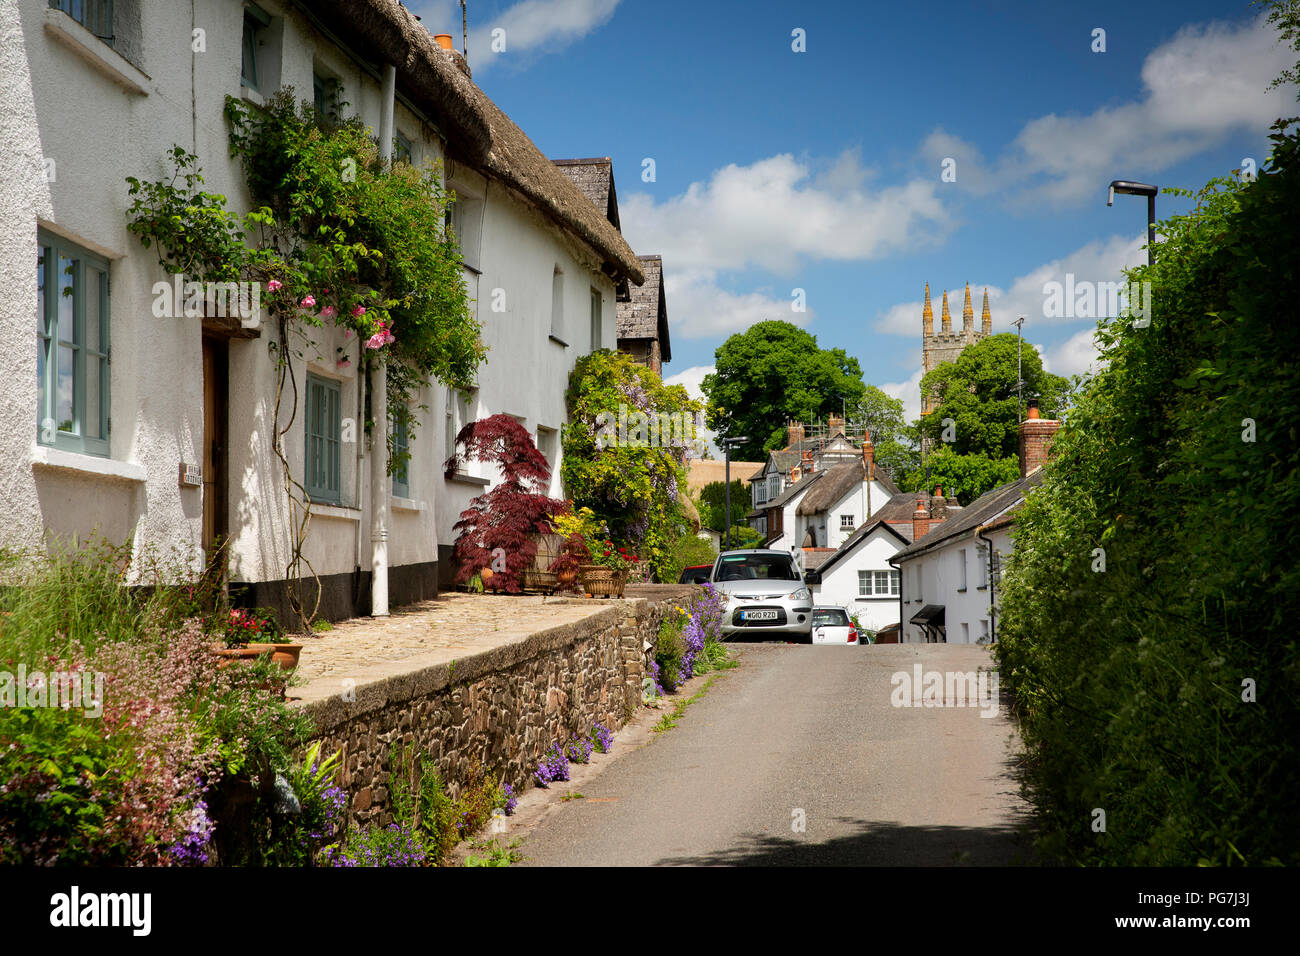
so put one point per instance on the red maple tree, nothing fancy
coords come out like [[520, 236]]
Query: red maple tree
[[499, 528]]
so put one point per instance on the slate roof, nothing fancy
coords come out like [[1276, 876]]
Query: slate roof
[[477, 132], [595, 180], [980, 511], [814, 558], [798, 488], [645, 314], [895, 515], [843, 479]]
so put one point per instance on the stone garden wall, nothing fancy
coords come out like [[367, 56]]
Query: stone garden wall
[[500, 709]]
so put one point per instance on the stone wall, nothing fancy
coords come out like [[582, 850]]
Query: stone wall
[[498, 710]]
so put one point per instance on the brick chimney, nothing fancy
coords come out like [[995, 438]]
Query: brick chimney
[[952, 506], [1035, 439], [920, 518], [868, 456], [793, 434], [834, 426], [938, 506]]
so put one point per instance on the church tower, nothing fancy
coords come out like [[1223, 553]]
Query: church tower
[[948, 344]]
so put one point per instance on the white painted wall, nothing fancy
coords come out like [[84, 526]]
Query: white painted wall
[[939, 574], [839, 585], [76, 107]]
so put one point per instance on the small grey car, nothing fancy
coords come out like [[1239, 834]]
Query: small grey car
[[765, 594]]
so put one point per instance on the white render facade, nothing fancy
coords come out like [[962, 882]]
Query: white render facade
[[80, 116], [955, 575], [862, 580]]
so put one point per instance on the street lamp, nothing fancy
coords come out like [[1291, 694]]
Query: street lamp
[[1126, 188], [726, 452]]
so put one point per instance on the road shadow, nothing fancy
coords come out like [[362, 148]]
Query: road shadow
[[879, 844]]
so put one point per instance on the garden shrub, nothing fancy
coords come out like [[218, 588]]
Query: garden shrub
[[1148, 616]]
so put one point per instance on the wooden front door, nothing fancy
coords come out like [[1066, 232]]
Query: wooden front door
[[216, 364]]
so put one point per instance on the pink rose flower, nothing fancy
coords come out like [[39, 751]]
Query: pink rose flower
[[359, 310], [328, 312], [274, 284], [308, 301]]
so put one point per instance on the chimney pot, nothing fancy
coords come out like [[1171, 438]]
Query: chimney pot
[[920, 519], [444, 40], [1035, 439]]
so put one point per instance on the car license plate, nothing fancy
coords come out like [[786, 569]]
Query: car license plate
[[765, 615]]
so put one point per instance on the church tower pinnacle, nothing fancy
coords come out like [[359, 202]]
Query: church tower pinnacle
[[947, 317], [967, 314], [927, 315], [986, 320]]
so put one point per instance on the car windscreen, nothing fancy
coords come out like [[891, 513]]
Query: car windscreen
[[830, 617], [756, 567]]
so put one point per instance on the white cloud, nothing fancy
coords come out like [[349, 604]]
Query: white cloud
[[1102, 260], [1075, 356], [699, 308], [1202, 85], [910, 394], [531, 27], [776, 212], [692, 378]]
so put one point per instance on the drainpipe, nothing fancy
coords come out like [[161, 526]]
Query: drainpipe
[[893, 563], [379, 484], [993, 621]]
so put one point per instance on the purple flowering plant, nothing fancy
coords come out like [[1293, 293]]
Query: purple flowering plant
[[554, 766], [602, 737]]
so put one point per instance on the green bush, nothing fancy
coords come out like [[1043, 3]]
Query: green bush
[[670, 648], [1154, 581], [688, 550]]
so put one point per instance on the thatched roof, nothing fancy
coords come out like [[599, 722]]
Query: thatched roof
[[840, 480], [645, 314], [477, 133]]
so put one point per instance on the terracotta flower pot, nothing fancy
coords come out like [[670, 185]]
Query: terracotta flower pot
[[599, 581], [567, 578], [286, 655]]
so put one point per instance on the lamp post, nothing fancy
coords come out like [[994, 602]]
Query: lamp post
[[1126, 188], [726, 453]]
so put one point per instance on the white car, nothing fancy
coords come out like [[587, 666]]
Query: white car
[[765, 594], [832, 625]]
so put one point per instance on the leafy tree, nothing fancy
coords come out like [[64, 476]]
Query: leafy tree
[[713, 503], [978, 392], [965, 477], [771, 373], [498, 530], [880, 414], [1148, 616], [629, 477]]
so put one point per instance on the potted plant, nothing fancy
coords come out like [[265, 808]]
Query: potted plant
[[573, 555], [498, 532], [249, 634], [607, 574]]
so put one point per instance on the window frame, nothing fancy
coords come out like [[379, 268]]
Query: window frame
[[99, 13], [402, 445], [557, 304], [329, 433], [597, 318], [49, 344], [848, 522]]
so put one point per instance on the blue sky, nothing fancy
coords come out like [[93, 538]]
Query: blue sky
[[821, 170]]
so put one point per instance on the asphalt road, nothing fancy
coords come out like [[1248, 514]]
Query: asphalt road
[[805, 733]]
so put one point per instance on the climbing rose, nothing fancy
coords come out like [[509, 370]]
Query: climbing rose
[[328, 312], [274, 284], [308, 301], [359, 310]]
